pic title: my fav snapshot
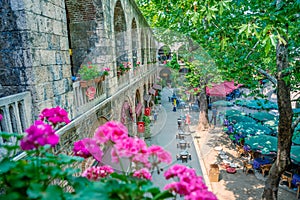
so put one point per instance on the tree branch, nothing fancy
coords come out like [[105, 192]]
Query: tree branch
[[269, 76], [252, 50]]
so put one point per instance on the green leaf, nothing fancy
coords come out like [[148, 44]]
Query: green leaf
[[52, 192], [267, 47], [242, 28], [163, 195], [281, 40], [273, 40], [6, 165], [34, 191]]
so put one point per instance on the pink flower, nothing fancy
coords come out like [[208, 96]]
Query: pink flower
[[80, 150], [106, 69], [111, 131], [93, 148], [39, 134], [178, 187], [96, 173], [1, 117], [88, 147], [159, 154], [190, 185], [175, 171], [201, 195], [143, 173], [55, 115]]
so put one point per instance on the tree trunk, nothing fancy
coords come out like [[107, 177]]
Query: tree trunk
[[284, 127], [203, 115]]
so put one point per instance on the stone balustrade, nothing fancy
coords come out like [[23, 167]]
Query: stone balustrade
[[16, 111], [81, 97]]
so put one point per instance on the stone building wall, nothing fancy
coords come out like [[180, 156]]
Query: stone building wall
[[34, 52], [35, 38]]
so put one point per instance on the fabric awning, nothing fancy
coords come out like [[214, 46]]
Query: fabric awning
[[222, 89], [157, 86], [138, 109], [147, 97], [152, 91]]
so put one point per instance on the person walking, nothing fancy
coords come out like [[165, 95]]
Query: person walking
[[214, 116], [174, 105], [154, 117], [221, 118]]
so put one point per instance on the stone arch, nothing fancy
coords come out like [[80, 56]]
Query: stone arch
[[146, 96], [143, 38], [164, 53], [165, 75], [96, 123], [84, 21], [120, 33], [138, 106], [134, 41], [127, 115], [153, 50]]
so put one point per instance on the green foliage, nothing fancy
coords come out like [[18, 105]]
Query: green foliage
[[240, 36], [147, 121], [43, 175], [173, 63], [88, 72]]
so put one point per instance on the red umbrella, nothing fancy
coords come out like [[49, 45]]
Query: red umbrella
[[221, 89]]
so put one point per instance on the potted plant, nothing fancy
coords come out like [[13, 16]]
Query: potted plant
[[136, 65], [104, 72], [123, 67], [87, 74]]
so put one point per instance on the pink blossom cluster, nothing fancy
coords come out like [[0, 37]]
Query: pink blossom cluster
[[143, 174], [97, 172], [54, 115], [39, 134], [189, 184], [106, 69], [42, 131], [115, 134], [158, 154], [87, 147], [127, 147], [111, 131], [127, 65]]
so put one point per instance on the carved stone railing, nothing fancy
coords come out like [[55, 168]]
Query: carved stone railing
[[16, 111], [81, 126], [123, 80], [82, 100]]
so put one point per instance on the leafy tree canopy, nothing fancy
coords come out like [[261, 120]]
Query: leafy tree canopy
[[240, 35]]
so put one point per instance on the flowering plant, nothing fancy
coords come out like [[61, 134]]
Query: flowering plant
[[43, 175], [105, 71], [88, 72], [136, 64], [124, 66]]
